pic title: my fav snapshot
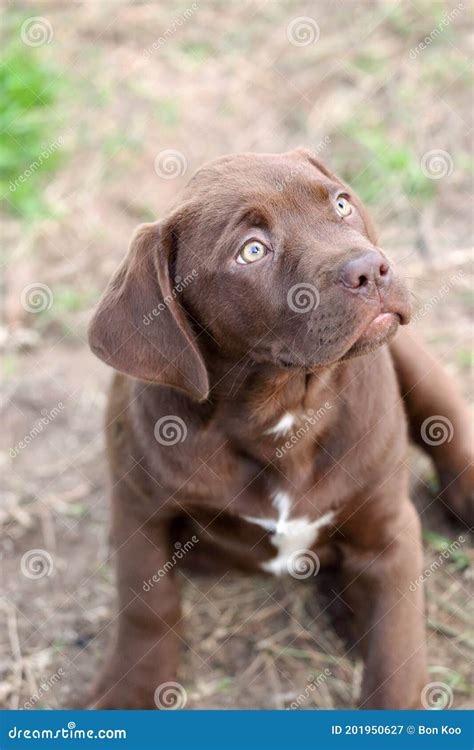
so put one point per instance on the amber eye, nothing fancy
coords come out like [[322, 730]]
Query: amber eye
[[252, 251], [343, 207]]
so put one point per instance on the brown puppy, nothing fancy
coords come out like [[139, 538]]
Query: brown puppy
[[247, 424]]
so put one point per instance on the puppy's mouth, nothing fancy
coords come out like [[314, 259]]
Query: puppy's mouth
[[380, 330]]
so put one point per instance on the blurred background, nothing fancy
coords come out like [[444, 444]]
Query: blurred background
[[106, 109]]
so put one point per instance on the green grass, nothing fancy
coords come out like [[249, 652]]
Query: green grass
[[225, 684], [68, 302], [167, 112], [465, 359], [197, 51], [369, 63], [458, 559], [450, 677], [384, 165], [70, 299], [9, 365], [29, 147]]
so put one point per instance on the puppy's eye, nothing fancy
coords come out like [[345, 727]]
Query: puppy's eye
[[252, 251], [343, 207]]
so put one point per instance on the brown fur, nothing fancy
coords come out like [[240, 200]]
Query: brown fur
[[229, 357]]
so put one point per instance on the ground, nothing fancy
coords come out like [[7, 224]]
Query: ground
[[96, 92]]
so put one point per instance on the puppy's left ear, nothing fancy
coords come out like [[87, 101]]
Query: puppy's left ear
[[139, 326]]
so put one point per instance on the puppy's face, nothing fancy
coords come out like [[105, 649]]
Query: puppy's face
[[285, 263], [268, 258]]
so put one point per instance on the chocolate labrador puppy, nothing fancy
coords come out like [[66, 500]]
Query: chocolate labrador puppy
[[257, 420]]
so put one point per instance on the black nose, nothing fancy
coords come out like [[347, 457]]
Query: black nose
[[363, 272]]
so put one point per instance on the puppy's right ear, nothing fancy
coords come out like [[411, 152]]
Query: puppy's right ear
[[139, 326]]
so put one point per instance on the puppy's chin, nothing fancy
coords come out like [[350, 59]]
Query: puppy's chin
[[381, 330]]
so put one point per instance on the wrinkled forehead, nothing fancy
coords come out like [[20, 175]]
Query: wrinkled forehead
[[255, 187], [252, 175]]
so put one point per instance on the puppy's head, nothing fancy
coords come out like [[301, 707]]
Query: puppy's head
[[268, 257]]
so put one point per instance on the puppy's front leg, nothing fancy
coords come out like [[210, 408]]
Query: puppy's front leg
[[440, 422], [146, 649], [382, 568]]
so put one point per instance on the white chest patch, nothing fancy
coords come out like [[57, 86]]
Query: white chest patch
[[289, 536], [283, 426]]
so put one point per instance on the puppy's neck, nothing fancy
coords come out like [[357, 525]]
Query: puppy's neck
[[265, 392]]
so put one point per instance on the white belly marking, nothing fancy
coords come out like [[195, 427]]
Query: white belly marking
[[289, 536]]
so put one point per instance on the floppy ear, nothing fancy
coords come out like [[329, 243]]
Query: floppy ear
[[139, 327]]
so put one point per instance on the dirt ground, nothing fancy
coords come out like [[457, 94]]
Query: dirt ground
[[134, 79]]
